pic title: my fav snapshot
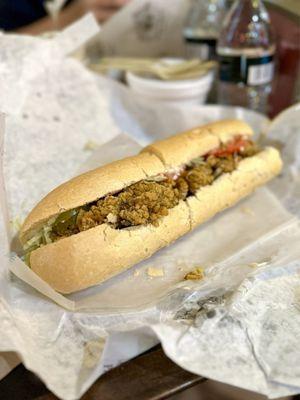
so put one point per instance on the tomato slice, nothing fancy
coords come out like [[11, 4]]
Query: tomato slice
[[230, 148]]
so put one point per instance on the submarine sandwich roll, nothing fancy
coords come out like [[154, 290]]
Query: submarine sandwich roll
[[102, 222]]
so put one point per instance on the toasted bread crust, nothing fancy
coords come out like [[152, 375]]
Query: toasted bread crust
[[182, 148], [93, 256], [228, 189], [153, 160], [89, 187]]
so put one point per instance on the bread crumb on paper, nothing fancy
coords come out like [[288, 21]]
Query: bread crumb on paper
[[258, 264], [247, 210], [136, 272], [90, 145], [196, 275], [253, 265], [92, 352], [154, 272]]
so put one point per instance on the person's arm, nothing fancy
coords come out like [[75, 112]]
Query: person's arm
[[66, 16], [102, 10]]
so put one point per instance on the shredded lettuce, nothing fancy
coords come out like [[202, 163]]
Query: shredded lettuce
[[34, 242], [40, 238], [197, 161], [46, 234]]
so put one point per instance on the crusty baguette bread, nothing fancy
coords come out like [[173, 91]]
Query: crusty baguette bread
[[89, 187], [180, 149], [152, 160], [92, 256], [228, 189]]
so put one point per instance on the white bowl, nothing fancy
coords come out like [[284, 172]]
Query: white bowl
[[190, 91]]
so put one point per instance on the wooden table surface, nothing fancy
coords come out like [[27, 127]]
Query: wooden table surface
[[143, 378]]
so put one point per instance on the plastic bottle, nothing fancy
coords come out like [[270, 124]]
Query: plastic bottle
[[202, 28], [245, 50]]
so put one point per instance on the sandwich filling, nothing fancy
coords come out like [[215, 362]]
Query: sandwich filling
[[146, 201]]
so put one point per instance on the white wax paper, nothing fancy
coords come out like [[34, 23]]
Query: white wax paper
[[250, 253], [142, 28]]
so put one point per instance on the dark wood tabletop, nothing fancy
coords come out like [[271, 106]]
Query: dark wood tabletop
[[151, 376]]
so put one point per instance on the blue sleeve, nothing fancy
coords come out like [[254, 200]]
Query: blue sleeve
[[17, 13]]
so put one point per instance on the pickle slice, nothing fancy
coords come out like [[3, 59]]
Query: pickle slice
[[65, 222]]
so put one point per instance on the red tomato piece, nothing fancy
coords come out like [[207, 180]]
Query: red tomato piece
[[230, 148]]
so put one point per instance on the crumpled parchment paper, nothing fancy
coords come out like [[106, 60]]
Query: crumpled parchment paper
[[147, 28], [241, 317]]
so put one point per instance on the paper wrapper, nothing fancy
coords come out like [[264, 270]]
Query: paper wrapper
[[146, 28], [243, 309]]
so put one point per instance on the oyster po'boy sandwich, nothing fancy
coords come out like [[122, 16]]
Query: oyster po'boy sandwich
[[102, 222]]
